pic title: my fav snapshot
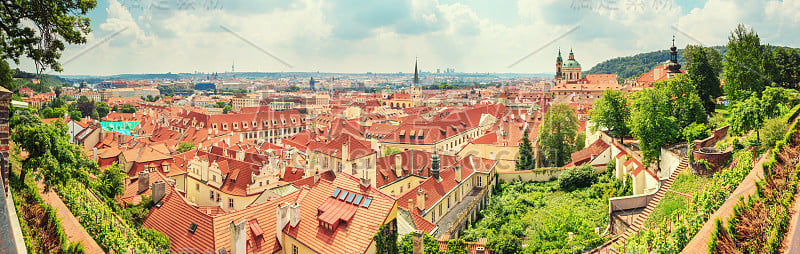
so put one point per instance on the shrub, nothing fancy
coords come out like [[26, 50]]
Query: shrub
[[504, 244], [577, 177], [772, 132]]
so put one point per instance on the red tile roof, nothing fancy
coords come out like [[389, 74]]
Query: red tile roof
[[355, 236]]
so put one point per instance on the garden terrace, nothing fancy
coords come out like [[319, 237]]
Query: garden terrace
[[759, 222]]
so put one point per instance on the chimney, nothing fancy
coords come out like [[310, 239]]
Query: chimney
[[144, 182], [417, 242], [398, 165], [346, 150], [158, 191], [239, 237], [420, 198], [294, 214], [364, 182], [458, 172], [94, 153], [410, 204], [240, 155], [316, 176]]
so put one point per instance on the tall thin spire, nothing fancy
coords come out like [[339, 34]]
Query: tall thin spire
[[416, 72]]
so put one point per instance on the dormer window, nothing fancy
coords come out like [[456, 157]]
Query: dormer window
[[244, 124], [235, 125]]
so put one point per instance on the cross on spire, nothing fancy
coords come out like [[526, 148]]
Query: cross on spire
[[673, 40]]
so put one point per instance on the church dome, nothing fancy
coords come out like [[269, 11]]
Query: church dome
[[572, 63]]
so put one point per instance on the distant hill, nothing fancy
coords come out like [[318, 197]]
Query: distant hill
[[51, 80], [633, 66]]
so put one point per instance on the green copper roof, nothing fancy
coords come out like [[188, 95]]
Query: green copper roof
[[571, 63]]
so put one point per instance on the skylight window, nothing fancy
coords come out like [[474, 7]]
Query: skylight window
[[350, 197], [366, 203], [336, 193], [358, 200], [192, 227], [344, 195]]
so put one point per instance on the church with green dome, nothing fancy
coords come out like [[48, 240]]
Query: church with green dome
[[567, 71]]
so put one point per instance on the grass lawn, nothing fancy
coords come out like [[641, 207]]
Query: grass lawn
[[668, 205], [688, 183]]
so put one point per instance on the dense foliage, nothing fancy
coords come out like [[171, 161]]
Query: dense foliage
[[612, 111], [758, 223], [747, 66], [557, 134], [504, 243], [184, 146], [652, 124], [543, 214], [108, 230], [39, 29], [704, 74], [632, 66], [526, 160], [386, 239], [50, 155], [406, 244], [577, 177], [671, 233]]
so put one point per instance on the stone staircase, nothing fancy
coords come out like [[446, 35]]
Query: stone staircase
[[639, 222]]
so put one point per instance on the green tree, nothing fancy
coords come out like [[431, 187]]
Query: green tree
[[773, 130], [526, 159], [457, 246], [128, 108], [557, 134], [112, 181], [712, 57], [75, 115], [184, 146], [695, 131], [652, 124], [577, 177], [406, 244], [227, 109], [115, 108], [705, 78], [39, 29], [102, 109], [386, 239], [612, 111], [391, 150], [744, 70], [294, 88], [7, 76], [50, 155], [787, 61], [504, 243], [683, 102], [747, 115]]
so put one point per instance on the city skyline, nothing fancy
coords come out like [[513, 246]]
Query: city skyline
[[150, 36]]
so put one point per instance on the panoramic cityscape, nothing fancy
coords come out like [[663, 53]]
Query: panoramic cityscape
[[419, 127]]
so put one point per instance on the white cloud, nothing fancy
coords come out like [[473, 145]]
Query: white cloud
[[386, 35]]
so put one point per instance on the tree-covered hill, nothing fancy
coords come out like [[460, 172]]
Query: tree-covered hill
[[633, 66]]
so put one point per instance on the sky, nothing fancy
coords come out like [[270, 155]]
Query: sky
[[358, 36]]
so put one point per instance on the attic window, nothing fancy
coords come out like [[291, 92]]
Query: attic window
[[350, 197], [344, 194], [358, 200], [192, 227], [335, 193], [366, 203]]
